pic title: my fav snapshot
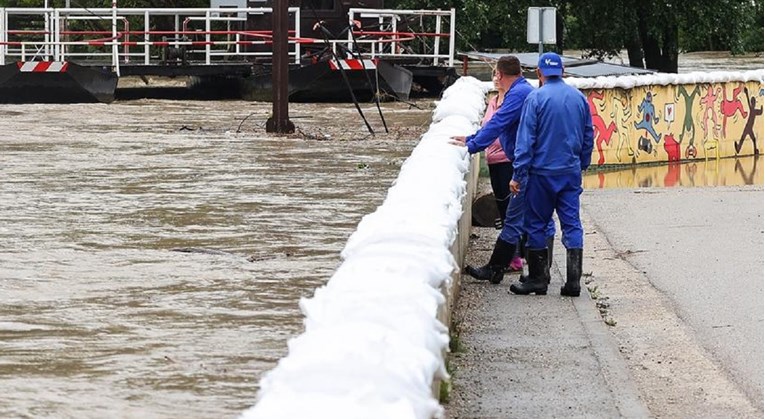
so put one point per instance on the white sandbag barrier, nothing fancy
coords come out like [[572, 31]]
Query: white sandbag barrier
[[376, 334]]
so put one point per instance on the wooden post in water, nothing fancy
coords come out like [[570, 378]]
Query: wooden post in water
[[279, 122]]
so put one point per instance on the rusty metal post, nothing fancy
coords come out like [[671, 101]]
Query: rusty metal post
[[279, 122]]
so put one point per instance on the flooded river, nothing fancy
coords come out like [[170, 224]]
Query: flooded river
[[101, 316], [689, 62]]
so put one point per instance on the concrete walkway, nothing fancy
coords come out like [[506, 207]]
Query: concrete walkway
[[551, 356]]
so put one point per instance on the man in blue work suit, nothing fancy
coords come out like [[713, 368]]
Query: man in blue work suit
[[554, 146], [503, 124]]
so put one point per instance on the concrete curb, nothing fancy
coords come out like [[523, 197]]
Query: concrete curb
[[612, 365]]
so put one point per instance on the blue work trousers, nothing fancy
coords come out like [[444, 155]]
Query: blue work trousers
[[513, 227], [561, 194]]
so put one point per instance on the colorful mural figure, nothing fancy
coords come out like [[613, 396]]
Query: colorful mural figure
[[602, 133], [669, 113], [749, 127], [649, 118], [621, 115], [709, 111], [729, 107], [688, 124], [676, 122], [672, 147], [708, 103]]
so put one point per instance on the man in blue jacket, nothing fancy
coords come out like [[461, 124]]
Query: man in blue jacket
[[554, 146], [503, 124]]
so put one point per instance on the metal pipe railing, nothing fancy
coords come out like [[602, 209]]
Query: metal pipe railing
[[388, 18], [52, 40], [3, 35]]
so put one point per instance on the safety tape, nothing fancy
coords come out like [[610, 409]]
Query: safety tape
[[43, 66], [353, 65]]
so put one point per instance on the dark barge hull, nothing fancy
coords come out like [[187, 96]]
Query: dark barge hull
[[66, 82], [55, 82], [323, 82]]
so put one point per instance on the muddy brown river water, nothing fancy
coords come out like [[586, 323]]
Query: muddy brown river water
[[99, 317]]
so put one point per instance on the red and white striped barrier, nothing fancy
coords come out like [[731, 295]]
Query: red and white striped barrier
[[43, 66], [353, 65]]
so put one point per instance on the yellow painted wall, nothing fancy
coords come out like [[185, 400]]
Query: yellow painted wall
[[676, 122]]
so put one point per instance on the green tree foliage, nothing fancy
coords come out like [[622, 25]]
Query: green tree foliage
[[733, 25], [655, 31], [483, 24], [652, 31]]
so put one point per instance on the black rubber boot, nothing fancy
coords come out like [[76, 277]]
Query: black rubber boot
[[539, 274], [494, 271], [550, 245], [572, 288]]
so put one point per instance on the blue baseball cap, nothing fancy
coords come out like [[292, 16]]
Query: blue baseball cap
[[550, 64]]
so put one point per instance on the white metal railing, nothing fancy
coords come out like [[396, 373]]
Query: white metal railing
[[207, 36], [52, 41], [389, 41]]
